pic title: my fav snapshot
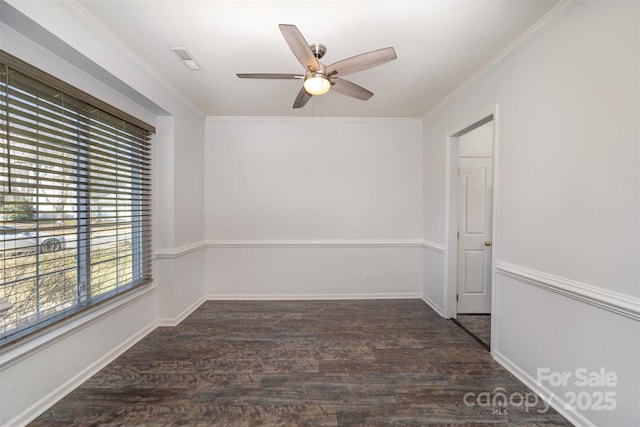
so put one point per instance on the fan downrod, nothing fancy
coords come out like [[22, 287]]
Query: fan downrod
[[318, 50]]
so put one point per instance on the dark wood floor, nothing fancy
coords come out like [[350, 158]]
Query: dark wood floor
[[477, 324], [345, 363]]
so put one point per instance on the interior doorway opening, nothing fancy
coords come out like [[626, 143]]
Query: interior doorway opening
[[471, 237]]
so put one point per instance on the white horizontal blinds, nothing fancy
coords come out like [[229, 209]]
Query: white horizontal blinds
[[76, 200]]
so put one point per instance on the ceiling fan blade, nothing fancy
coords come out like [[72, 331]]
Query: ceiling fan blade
[[277, 76], [299, 47], [345, 87], [302, 98], [362, 62]]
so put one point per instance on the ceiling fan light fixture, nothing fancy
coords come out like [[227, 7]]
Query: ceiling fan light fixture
[[318, 78], [317, 84]]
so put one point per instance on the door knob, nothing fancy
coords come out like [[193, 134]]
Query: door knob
[[487, 243]]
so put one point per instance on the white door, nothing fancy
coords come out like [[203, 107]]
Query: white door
[[475, 194]]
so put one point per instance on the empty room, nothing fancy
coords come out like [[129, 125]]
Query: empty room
[[341, 213]]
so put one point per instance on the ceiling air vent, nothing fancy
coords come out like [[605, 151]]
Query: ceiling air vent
[[186, 58]]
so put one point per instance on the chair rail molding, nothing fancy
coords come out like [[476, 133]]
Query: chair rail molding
[[166, 253], [615, 302], [347, 243], [433, 247]]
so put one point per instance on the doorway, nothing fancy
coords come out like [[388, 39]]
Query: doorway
[[471, 227], [475, 197]]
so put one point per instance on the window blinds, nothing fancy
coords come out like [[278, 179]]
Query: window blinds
[[75, 197]]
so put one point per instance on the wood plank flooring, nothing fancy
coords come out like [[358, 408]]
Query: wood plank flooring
[[477, 324], [330, 363]]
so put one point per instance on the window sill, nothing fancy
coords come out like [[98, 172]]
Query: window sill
[[14, 352]]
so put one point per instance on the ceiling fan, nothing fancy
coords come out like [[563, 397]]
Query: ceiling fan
[[318, 78]]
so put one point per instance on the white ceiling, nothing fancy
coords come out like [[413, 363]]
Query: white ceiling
[[439, 45]]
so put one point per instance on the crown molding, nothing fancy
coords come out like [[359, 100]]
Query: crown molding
[[77, 11], [310, 119], [536, 30]]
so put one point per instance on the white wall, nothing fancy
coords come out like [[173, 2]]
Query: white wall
[[189, 180], [178, 214], [58, 39], [306, 207], [568, 237]]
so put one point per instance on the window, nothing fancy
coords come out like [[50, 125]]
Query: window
[[75, 197]]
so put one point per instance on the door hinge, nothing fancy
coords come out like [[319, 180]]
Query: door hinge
[[456, 297], [458, 234]]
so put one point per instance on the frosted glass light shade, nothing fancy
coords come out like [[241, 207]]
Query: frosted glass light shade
[[316, 84]]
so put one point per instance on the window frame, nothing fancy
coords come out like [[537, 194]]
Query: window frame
[[140, 233]]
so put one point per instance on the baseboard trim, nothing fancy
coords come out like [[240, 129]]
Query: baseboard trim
[[50, 399], [435, 307], [621, 304], [314, 243], [175, 321], [544, 393], [293, 297]]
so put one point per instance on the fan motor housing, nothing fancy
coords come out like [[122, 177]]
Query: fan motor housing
[[318, 50]]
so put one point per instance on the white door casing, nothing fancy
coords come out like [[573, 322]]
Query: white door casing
[[473, 138], [475, 199]]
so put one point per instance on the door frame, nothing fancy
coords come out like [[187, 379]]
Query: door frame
[[451, 213]]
